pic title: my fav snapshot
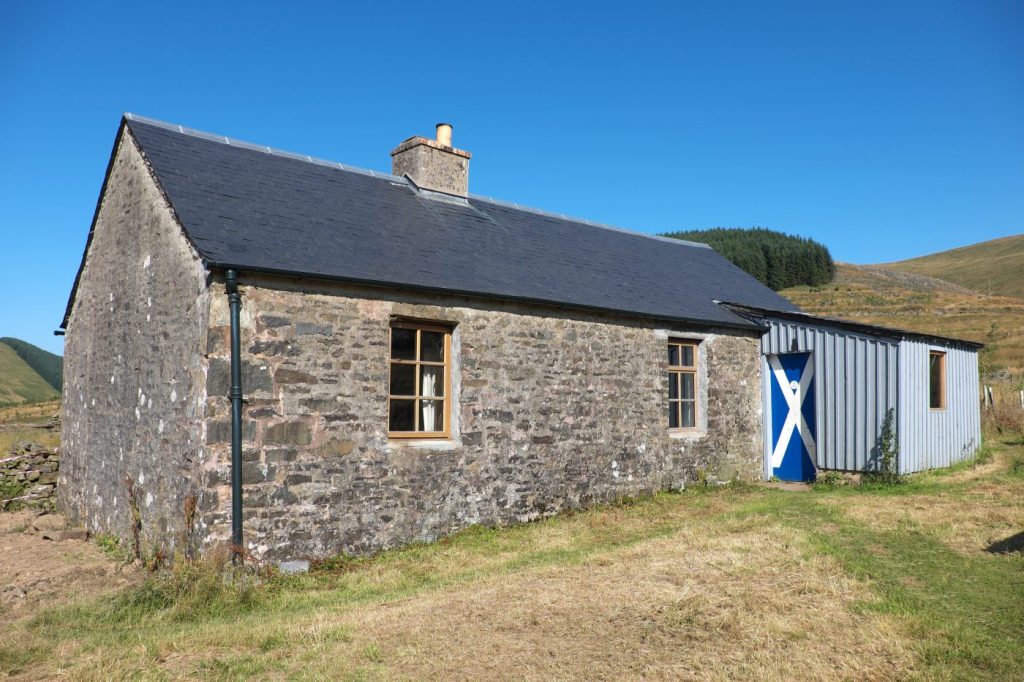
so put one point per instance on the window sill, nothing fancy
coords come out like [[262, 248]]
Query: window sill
[[686, 434], [422, 443]]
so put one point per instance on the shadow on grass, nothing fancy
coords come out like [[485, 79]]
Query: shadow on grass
[[1010, 545]]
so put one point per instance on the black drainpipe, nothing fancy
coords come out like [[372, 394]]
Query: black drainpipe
[[235, 303]]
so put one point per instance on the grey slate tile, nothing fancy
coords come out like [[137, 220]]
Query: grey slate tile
[[247, 208]]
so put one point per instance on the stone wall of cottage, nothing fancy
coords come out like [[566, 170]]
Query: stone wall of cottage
[[134, 372], [554, 410]]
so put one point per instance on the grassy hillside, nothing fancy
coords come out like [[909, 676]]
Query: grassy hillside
[[992, 267], [46, 364], [19, 382], [918, 303]]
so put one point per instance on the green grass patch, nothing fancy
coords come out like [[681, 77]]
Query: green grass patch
[[965, 612], [10, 489]]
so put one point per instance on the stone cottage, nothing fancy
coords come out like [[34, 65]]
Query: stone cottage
[[412, 359]]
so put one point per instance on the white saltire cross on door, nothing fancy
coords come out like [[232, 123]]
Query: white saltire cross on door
[[793, 450]]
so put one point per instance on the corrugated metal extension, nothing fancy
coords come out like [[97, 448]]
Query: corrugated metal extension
[[938, 438], [860, 376]]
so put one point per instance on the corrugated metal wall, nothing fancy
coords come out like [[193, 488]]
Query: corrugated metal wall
[[929, 438], [856, 382]]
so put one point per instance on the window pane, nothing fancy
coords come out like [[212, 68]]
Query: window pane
[[673, 355], [431, 381], [403, 379], [689, 414], [673, 415], [687, 356], [403, 344], [431, 415], [673, 385], [688, 382], [432, 346], [401, 417], [935, 380]]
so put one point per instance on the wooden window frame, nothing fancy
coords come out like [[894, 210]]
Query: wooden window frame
[[943, 402], [446, 398], [673, 371]]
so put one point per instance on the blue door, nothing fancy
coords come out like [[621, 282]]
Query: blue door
[[792, 412]]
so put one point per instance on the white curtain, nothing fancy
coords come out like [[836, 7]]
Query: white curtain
[[428, 387]]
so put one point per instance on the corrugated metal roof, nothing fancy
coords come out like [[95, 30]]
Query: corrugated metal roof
[[257, 209], [756, 312]]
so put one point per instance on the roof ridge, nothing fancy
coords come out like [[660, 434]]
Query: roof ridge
[[590, 223], [234, 142], [266, 149]]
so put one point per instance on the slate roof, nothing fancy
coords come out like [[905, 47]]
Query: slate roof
[[260, 210]]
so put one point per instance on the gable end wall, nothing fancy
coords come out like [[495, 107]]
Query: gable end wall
[[133, 374]]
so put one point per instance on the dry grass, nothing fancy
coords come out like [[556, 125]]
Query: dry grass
[[30, 412], [736, 583], [1005, 417], [11, 437], [689, 606], [968, 508], [992, 266], [23, 423]]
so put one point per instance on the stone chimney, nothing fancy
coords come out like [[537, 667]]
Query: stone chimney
[[433, 164]]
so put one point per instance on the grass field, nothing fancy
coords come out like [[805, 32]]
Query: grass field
[[731, 583], [19, 423], [19, 382], [992, 267], [30, 413], [922, 304]]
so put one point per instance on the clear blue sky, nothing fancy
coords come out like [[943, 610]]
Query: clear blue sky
[[883, 129]]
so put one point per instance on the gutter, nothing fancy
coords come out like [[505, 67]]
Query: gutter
[[235, 393], [741, 322]]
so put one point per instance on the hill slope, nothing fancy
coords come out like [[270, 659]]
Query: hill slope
[[20, 383], [881, 296], [48, 365], [992, 267]]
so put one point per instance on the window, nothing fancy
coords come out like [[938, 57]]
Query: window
[[419, 381], [682, 384], [937, 380]]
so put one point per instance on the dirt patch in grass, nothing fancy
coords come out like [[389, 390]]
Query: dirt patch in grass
[[37, 573]]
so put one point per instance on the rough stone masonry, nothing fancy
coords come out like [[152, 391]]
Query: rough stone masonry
[[28, 478], [554, 409]]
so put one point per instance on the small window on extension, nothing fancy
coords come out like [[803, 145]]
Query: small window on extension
[[937, 380]]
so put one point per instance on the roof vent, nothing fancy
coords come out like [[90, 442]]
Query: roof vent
[[433, 164]]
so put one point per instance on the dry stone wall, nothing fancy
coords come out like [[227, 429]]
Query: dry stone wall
[[29, 479]]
